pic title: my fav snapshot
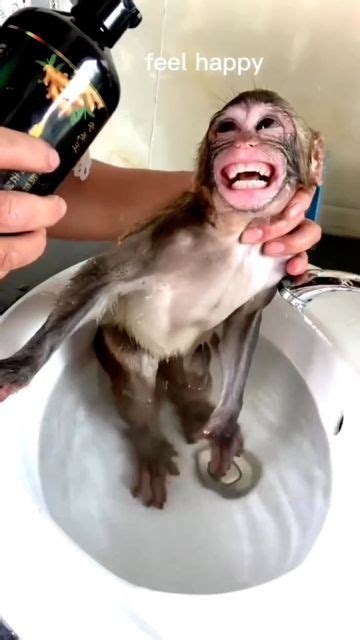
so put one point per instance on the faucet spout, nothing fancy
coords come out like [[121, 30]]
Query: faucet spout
[[303, 289]]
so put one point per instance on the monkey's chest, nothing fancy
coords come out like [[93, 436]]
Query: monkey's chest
[[177, 309]]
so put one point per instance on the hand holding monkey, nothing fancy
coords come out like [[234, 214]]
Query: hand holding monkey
[[184, 289], [293, 234]]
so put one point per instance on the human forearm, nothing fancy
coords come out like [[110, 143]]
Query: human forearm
[[113, 200]]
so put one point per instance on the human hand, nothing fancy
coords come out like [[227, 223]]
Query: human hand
[[288, 233], [24, 214]]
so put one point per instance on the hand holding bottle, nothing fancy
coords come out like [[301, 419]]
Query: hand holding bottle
[[24, 217]]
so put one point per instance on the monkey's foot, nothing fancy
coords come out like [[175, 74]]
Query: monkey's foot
[[226, 442], [150, 487], [194, 416]]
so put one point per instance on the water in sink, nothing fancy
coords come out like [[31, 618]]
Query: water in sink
[[201, 542]]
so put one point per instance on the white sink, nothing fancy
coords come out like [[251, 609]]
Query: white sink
[[79, 555]]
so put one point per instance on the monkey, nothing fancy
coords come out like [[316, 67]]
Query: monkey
[[181, 290]]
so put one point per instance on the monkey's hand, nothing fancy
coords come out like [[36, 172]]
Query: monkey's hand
[[287, 233], [223, 433], [14, 375], [155, 463]]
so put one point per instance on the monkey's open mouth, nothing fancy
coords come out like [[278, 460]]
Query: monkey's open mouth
[[249, 179], [253, 175]]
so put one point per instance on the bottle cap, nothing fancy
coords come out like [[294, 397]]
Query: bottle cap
[[110, 17]]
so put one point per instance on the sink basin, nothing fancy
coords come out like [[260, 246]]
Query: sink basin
[[201, 542], [72, 533]]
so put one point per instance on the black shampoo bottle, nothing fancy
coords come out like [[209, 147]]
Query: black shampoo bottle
[[58, 81]]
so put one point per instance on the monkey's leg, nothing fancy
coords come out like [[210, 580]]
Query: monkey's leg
[[188, 385], [236, 350], [133, 375]]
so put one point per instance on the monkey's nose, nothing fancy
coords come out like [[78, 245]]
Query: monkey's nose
[[245, 143]]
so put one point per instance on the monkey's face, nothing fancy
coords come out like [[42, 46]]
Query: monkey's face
[[257, 152]]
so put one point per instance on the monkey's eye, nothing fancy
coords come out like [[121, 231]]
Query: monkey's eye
[[225, 126], [266, 123]]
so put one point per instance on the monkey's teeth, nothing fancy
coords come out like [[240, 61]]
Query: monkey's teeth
[[249, 184], [233, 170]]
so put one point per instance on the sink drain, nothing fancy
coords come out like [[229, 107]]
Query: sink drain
[[242, 477]]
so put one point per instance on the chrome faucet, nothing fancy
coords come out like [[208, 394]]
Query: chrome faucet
[[301, 290]]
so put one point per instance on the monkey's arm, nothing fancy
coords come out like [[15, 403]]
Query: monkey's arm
[[236, 348], [92, 289]]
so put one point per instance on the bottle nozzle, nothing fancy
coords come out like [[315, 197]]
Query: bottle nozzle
[[110, 17], [135, 20]]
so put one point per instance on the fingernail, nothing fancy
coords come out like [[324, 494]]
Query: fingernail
[[275, 247], [9, 261], [60, 204], [53, 158], [296, 266], [294, 212], [252, 235]]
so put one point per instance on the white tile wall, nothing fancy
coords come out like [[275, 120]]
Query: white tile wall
[[127, 138]]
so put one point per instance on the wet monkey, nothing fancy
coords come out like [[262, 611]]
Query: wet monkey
[[183, 288]]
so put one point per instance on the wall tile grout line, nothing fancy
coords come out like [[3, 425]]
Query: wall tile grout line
[[157, 85]]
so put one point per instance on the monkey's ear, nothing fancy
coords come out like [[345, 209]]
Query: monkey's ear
[[317, 158]]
